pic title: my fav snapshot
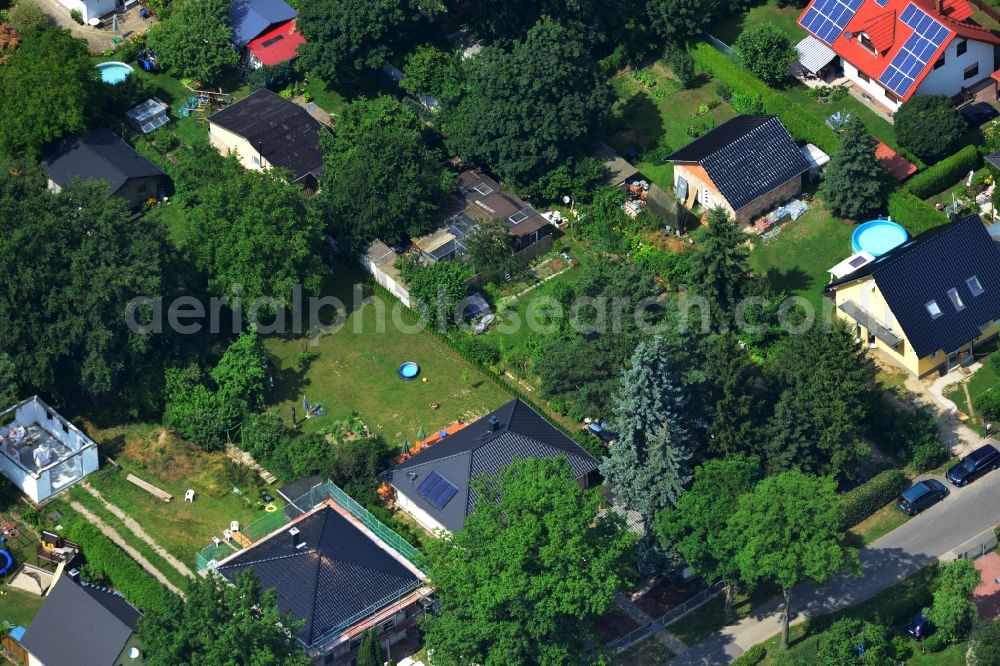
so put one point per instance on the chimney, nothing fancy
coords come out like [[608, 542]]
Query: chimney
[[494, 424], [297, 541], [940, 7]]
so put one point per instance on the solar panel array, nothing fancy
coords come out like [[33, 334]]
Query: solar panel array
[[437, 490], [827, 18], [917, 51], [881, 3]]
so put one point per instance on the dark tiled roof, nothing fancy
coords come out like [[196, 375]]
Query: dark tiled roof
[[746, 157], [99, 155], [80, 624], [339, 572], [250, 18], [479, 450], [925, 269], [299, 487], [286, 135]]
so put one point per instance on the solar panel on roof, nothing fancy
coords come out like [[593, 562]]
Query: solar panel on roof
[[437, 490], [917, 51], [827, 18]]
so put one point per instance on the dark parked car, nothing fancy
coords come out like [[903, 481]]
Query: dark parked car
[[920, 627], [920, 496], [982, 460], [978, 113]]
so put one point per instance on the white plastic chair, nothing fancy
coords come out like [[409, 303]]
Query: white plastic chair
[[189, 495], [227, 535], [234, 526], [215, 540]]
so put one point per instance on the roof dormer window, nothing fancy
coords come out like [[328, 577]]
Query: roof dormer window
[[955, 299], [933, 309], [867, 42], [974, 285]]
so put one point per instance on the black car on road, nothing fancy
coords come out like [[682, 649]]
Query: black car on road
[[920, 496], [982, 460]]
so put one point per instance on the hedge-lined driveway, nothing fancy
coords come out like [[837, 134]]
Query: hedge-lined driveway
[[924, 539]]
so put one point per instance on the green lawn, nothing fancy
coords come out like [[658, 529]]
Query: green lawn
[[708, 618], [879, 524], [356, 372], [656, 127], [173, 465], [798, 259], [983, 380], [878, 126], [18, 607], [781, 16]]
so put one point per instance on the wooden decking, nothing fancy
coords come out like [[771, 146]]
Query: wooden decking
[[150, 488], [244, 458]]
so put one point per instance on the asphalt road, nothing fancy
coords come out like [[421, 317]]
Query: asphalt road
[[924, 539]]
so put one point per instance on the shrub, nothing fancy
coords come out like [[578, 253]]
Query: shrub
[[935, 642], [164, 140], [766, 52], [478, 351], [750, 104], [27, 15], [945, 173], [871, 496], [914, 213], [107, 561], [929, 126], [682, 65], [751, 657], [76, 15], [988, 405], [273, 77], [928, 455]]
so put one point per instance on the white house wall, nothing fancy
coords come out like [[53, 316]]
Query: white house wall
[[418, 514], [874, 90], [947, 80], [90, 8]]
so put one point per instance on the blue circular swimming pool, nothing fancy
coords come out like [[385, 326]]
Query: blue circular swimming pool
[[114, 72], [878, 237], [409, 370]]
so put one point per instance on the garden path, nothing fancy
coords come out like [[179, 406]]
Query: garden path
[[113, 534], [137, 530]]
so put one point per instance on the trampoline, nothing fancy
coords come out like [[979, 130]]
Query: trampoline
[[6, 562], [409, 370], [878, 237]]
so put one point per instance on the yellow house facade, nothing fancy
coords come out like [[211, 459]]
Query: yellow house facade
[[929, 304]]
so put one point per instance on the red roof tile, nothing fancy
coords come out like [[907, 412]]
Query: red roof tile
[[280, 44], [871, 19]]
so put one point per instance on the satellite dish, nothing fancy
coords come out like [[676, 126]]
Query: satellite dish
[[566, 199], [133, 653]]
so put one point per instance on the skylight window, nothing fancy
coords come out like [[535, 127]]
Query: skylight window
[[518, 217], [483, 189], [955, 299], [933, 309], [974, 285]]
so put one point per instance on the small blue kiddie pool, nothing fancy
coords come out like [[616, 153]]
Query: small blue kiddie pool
[[878, 237], [114, 73], [409, 370]]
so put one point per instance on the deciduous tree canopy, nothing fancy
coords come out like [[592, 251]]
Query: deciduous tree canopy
[[526, 110], [531, 566], [195, 40], [929, 126]]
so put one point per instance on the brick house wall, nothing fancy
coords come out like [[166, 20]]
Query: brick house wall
[[700, 184], [769, 201]]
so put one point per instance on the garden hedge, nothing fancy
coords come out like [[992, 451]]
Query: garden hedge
[[945, 173], [751, 657], [913, 212], [799, 123], [107, 560], [871, 496]]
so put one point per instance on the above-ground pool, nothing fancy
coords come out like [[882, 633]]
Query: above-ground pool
[[114, 72], [409, 370], [878, 237]]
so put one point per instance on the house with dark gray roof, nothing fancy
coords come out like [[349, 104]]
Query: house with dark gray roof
[[435, 485], [80, 623], [929, 303], [338, 574], [103, 155], [747, 165], [266, 130]]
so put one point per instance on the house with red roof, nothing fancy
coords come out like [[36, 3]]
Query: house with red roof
[[892, 50], [264, 32]]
